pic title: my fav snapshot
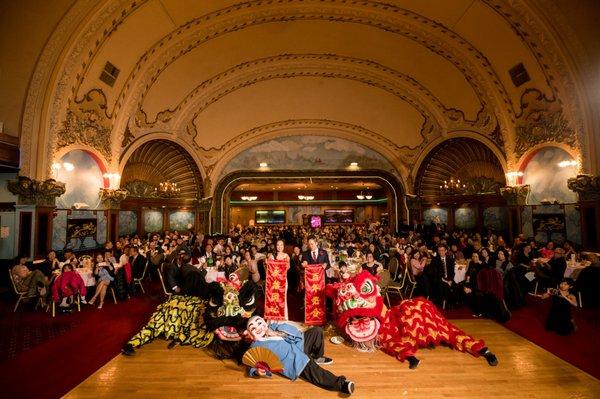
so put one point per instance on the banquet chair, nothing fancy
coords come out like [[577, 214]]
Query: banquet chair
[[408, 283], [78, 300], [20, 294], [138, 280], [162, 282], [393, 267], [394, 287]]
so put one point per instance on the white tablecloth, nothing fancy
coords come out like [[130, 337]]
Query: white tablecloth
[[573, 269]]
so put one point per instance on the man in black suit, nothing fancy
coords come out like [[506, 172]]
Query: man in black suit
[[441, 273], [137, 262], [315, 255]]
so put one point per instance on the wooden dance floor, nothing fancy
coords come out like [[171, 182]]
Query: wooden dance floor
[[525, 371]]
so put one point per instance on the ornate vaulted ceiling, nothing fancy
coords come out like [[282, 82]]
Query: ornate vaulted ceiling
[[217, 77]]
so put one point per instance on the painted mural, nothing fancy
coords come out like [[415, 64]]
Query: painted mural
[[181, 220], [549, 223], [573, 221], [547, 179], [495, 218], [82, 183], [127, 223], [435, 216], [308, 153], [65, 222], [59, 230], [153, 221], [464, 218]]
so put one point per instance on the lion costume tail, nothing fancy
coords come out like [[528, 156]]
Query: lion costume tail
[[179, 318], [418, 323]]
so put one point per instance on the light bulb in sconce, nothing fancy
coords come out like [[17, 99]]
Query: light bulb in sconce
[[511, 177], [113, 179]]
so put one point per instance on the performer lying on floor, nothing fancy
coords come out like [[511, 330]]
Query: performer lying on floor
[[300, 353], [200, 322], [399, 331]]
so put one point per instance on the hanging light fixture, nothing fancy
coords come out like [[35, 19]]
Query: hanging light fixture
[[453, 187], [249, 198]]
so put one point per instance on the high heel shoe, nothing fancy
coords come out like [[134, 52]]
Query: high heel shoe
[[100, 306]]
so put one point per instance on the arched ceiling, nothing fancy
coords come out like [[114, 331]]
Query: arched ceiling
[[160, 161], [209, 74], [461, 159]]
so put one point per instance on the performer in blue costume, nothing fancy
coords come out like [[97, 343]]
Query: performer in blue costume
[[300, 353]]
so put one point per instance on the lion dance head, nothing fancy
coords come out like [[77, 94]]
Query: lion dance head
[[358, 307]]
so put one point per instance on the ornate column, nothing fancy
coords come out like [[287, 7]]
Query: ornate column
[[111, 201], [414, 204], [516, 198], [587, 188], [35, 212], [203, 213]]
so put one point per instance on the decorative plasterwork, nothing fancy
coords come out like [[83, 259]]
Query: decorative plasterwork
[[516, 195], [559, 74], [111, 198], [140, 189], [73, 66], [87, 123], [434, 36], [322, 65], [36, 192], [541, 121], [586, 186]]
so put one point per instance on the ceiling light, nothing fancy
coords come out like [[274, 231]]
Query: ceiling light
[[354, 164], [263, 164]]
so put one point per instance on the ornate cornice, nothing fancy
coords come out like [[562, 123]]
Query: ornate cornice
[[587, 187], [111, 198], [36, 192], [516, 195]]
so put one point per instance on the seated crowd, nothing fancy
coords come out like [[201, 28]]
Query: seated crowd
[[452, 268]]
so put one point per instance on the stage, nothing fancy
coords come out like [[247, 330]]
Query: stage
[[525, 371]]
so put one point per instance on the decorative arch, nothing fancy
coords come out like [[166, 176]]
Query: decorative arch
[[398, 156], [133, 146], [157, 161], [463, 158], [220, 209], [530, 153]]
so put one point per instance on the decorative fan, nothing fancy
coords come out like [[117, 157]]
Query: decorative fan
[[260, 357]]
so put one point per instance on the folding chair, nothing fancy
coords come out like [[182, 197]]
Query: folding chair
[[20, 294], [138, 280], [78, 300], [162, 282]]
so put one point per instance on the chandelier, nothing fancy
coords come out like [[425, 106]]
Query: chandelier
[[453, 187], [167, 189]]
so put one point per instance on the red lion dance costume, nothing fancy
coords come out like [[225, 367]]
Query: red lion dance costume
[[399, 331]]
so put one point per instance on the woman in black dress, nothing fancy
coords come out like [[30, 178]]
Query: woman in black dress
[[559, 319]]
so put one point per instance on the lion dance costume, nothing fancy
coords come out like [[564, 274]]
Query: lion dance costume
[[213, 321], [399, 331]]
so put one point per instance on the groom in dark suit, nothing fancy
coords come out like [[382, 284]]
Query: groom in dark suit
[[315, 255]]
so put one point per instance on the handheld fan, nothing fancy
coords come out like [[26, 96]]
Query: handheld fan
[[262, 358]]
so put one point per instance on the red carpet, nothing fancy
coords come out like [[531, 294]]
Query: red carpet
[[46, 358], [90, 339]]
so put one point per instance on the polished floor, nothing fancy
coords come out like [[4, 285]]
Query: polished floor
[[525, 371]]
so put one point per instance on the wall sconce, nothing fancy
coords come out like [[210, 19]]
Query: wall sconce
[[249, 198], [113, 179], [512, 177], [57, 166], [306, 197]]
